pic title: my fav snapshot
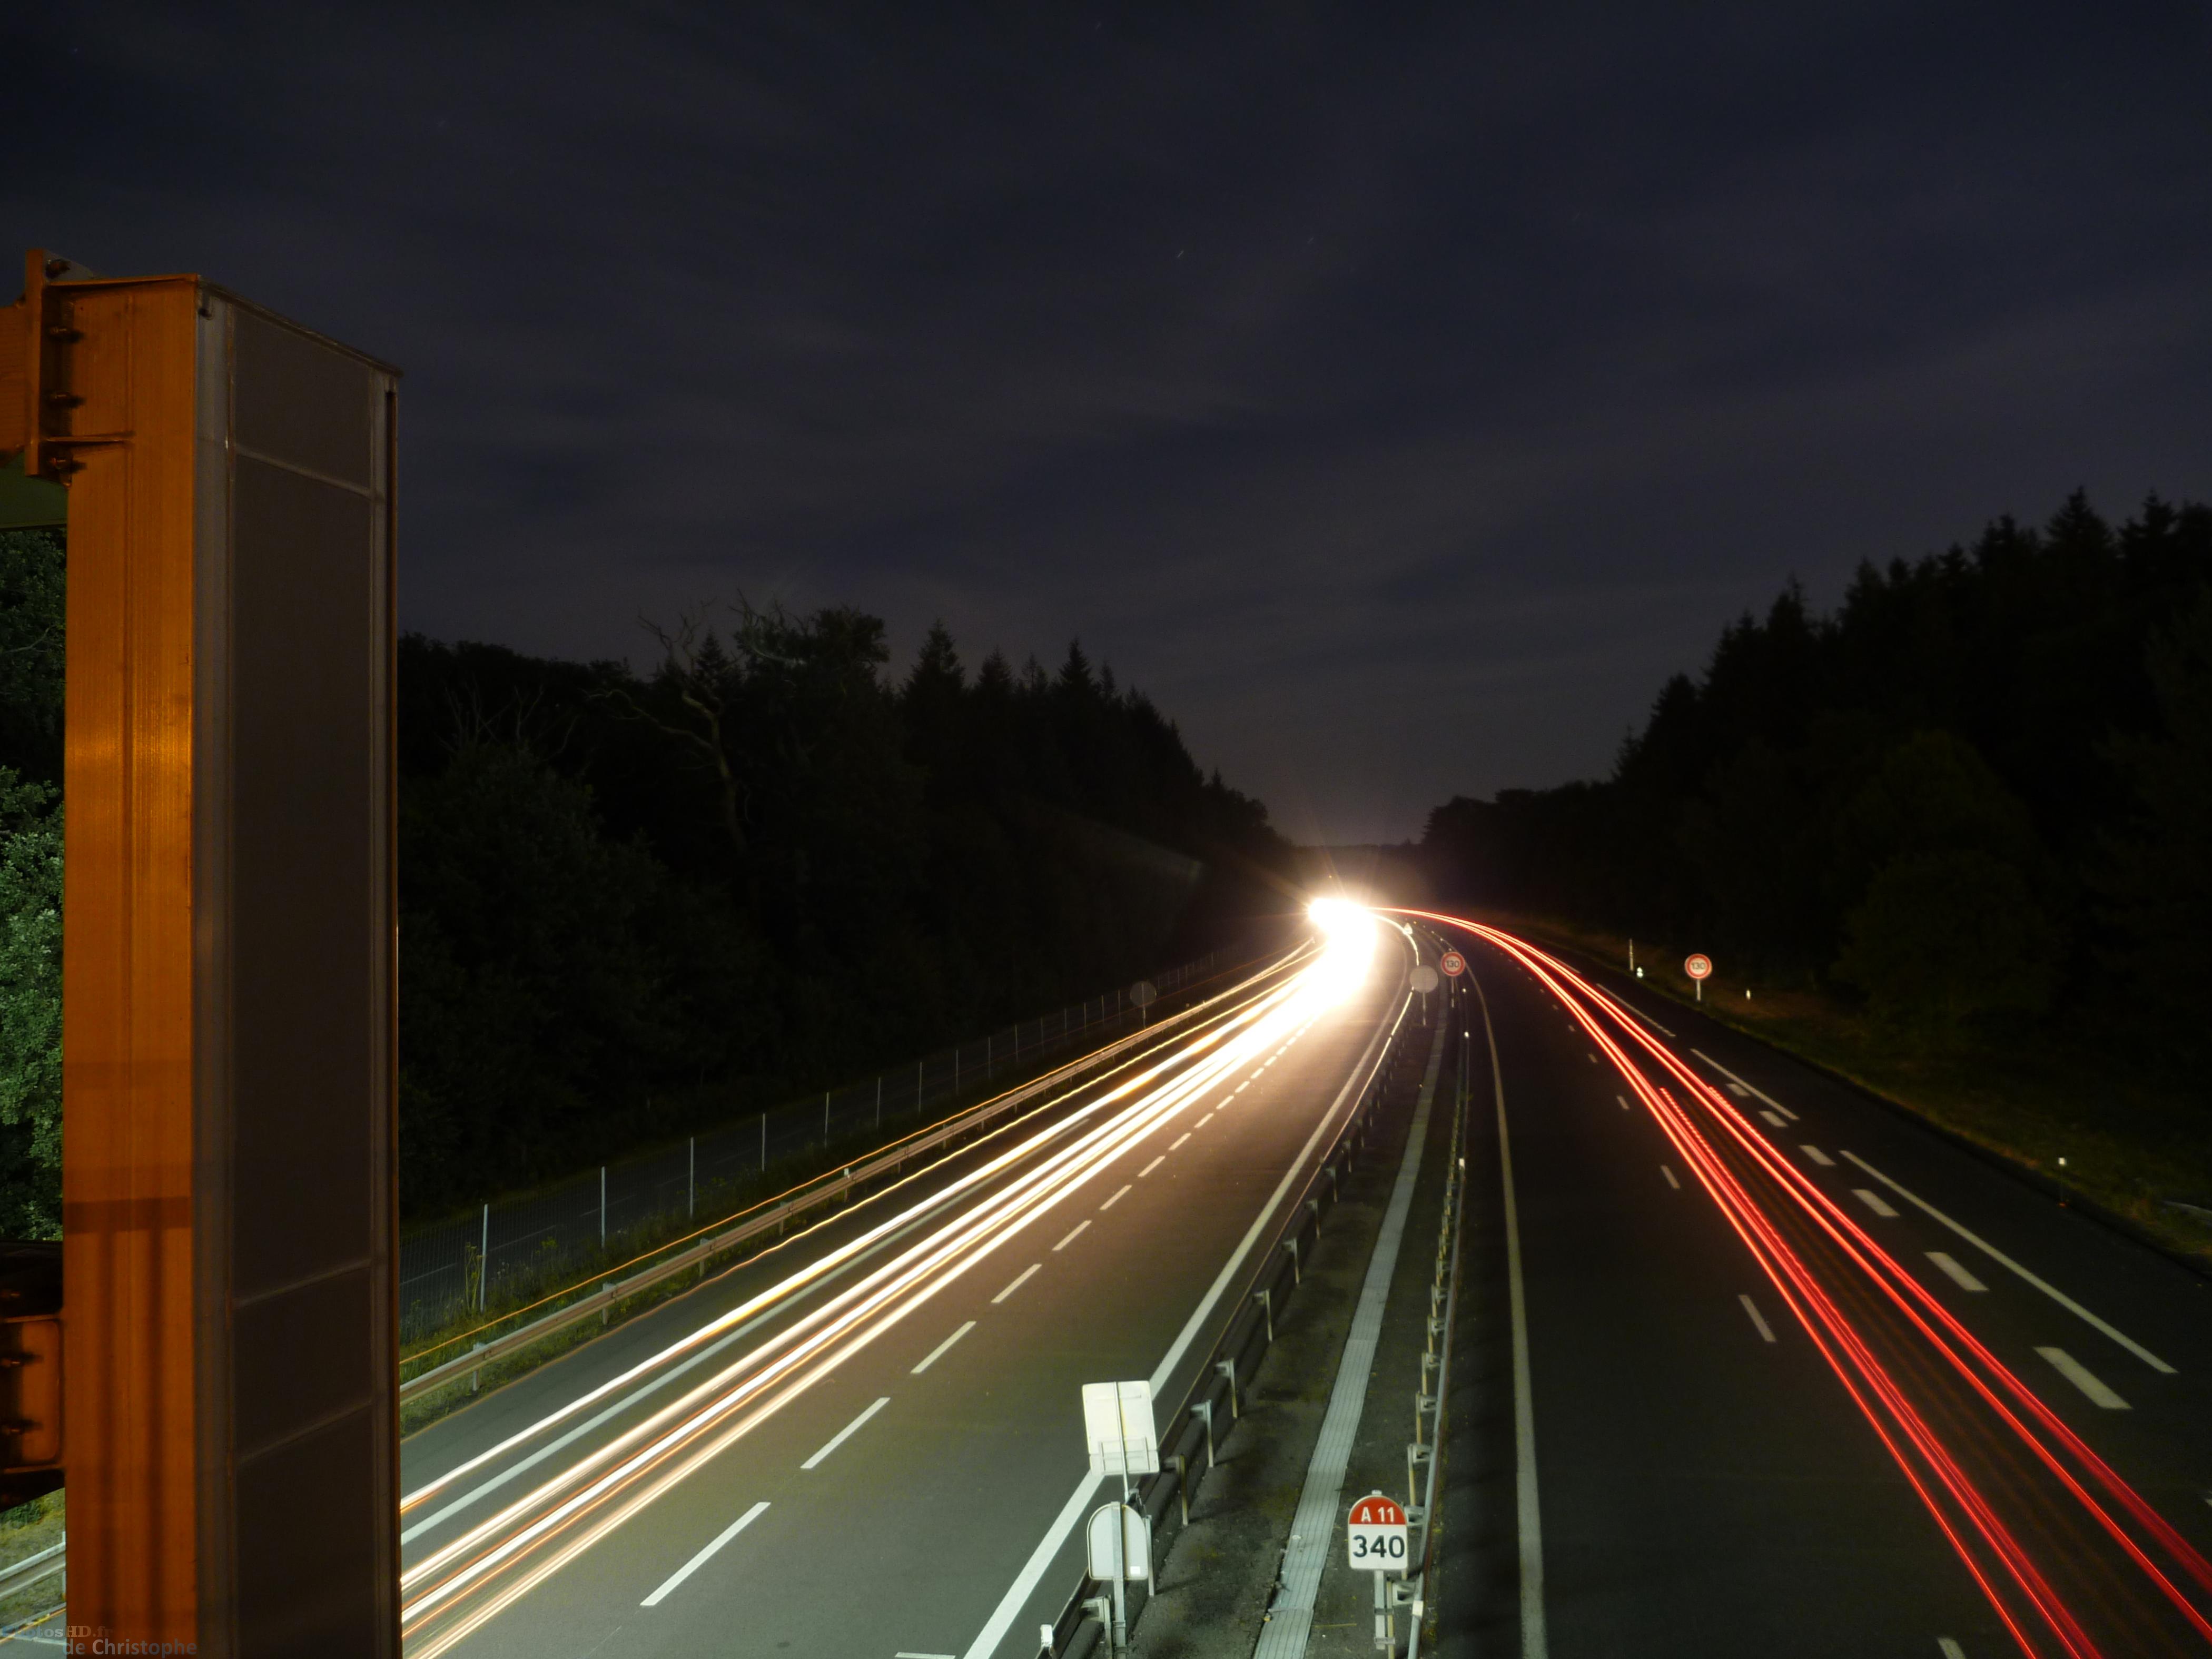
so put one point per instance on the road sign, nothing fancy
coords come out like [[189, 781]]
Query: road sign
[[1375, 1534], [1135, 1556], [1117, 1428], [1424, 979], [1144, 993], [1452, 963], [1699, 967]]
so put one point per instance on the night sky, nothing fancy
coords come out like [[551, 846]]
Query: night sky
[[1398, 400]]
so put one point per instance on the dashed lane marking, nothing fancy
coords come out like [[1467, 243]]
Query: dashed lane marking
[[1818, 1157], [2082, 1378], [1669, 1174], [941, 1349], [1075, 1233], [844, 1433], [1958, 1275], [1153, 1165], [721, 1538], [1759, 1319], [1112, 1201], [1873, 1200], [1020, 1279]]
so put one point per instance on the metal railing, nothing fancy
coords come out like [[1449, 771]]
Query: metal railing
[[466, 1264], [1211, 1405], [1441, 1320]]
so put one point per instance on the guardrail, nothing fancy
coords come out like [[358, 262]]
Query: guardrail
[[1435, 1355], [1211, 1404], [34, 1569], [779, 1213]]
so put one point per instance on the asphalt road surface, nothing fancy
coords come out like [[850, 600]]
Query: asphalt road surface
[[886, 1459], [1806, 1378]]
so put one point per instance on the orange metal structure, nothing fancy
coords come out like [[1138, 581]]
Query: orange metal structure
[[229, 1433]]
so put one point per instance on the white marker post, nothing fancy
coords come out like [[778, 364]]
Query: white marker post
[[1375, 1541]]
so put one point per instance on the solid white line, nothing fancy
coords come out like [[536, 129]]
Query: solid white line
[[1818, 1157], [1048, 1546], [1534, 1643], [1873, 1202], [904, 1653], [1959, 1276], [1072, 1236], [846, 1433], [938, 1352], [2079, 1376], [1112, 1201], [1766, 1331], [1776, 1119], [1669, 1174], [1756, 1093], [1153, 1165], [700, 1560], [2004, 1261], [1023, 1279], [1178, 1142]]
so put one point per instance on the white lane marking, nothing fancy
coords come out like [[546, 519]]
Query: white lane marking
[[1776, 1119], [1669, 1174], [1074, 1233], [1243, 1086], [1534, 1644], [1153, 1165], [1047, 1547], [1179, 1140], [1623, 1099], [846, 1433], [1739, 1092], [1766, 1331], [1755, 1093], [2006, 1261], [1021, 1280], [1873, 1200], [2081, 1376], [1950, 1649], [1201, 1123], [1112, 1201], [701, 1559], [1818, 1157], [938, 1352], [1591, 1058], [1959, 1275], [904, 1653]]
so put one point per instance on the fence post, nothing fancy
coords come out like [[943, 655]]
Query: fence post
[[826, 1117], [483, 1263], [763, 1143], [691, 1184], [918, 1065], [603, 1207], [986, 1056], [880, 1100]]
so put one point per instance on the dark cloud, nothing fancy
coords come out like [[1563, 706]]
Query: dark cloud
[[1398, 400]]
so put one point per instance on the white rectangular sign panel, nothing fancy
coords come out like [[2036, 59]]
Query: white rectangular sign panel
[[1136, 1553], [1117, 1428]]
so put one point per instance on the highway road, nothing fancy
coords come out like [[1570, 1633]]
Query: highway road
[[1790, 1373], [1805, 1378], [869, 1443]]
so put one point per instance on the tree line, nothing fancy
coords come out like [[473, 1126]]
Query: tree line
[[635, 902], [1977, 795]]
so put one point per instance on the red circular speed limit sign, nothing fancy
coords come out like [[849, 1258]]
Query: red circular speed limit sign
[[1452, 963], [1699, 967]]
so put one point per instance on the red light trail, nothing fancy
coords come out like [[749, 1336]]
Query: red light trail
[[2006, 1482]]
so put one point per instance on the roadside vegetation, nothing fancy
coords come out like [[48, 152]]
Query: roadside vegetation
[[1955, 838]]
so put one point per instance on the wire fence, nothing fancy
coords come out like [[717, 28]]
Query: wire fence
[[450, 1268]]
